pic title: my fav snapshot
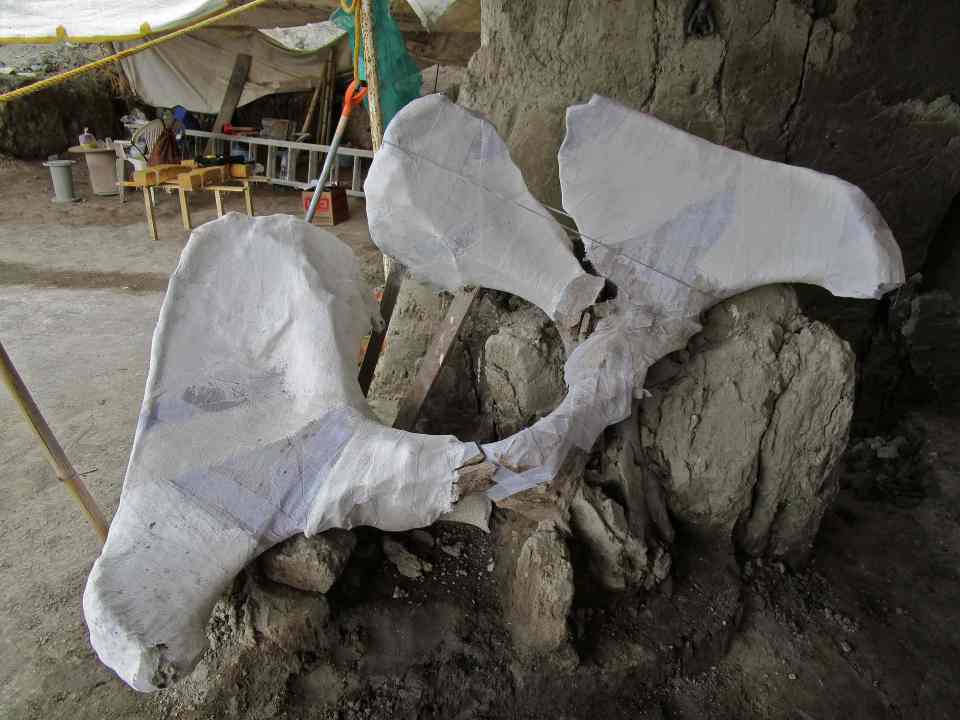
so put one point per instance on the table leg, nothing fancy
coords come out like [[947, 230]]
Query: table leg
[[248, 198], [184, 209], [151, 218], [218, 199], [120, 178]]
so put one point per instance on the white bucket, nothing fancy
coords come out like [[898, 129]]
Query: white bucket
[[62, 175]]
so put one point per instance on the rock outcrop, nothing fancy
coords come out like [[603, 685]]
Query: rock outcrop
[[312, 564], [748, 424]]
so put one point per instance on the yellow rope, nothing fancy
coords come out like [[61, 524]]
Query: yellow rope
[[67, 75], [354, 9]]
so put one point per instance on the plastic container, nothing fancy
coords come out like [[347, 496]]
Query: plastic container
[[88, 139], [61, 172]]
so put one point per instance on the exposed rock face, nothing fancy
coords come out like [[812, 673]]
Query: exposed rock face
[[535, 572], [798, 81], [523, 367], [750, 425], [312, 564]]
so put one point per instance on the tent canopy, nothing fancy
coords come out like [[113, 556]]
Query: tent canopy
[[193, 70], [90, 21]]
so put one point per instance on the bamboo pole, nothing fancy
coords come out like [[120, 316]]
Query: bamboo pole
[[373, 92], [55, 454], [373, 77]]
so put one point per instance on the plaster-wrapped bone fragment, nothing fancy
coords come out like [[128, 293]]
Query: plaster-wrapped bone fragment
[[445, 198], [678, 224], [253, 429]]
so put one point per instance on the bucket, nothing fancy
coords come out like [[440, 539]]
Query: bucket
[[62, 176]]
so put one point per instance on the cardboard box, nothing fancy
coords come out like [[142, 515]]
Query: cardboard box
[[332, 208]]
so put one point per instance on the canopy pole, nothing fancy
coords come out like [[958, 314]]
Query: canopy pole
[[55, 454], [373, 76]]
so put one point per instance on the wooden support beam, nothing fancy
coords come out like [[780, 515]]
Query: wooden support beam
[[435, 359], [390, 292], [54, 452], [231, 98]]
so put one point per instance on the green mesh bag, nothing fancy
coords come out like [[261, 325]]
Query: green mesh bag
[[400, 77]]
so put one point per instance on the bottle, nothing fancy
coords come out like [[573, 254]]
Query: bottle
[[87, 139]]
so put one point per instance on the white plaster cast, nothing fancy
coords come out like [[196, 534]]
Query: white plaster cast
[[675, 222], [446, 200], [253, 429]]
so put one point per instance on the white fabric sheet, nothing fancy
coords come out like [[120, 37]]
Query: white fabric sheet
[[194, 70], [253, 429]]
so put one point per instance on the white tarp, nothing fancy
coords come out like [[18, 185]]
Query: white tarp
[[253, 428], [86, 21], [194, 70]]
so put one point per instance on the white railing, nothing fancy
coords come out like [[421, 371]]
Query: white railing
[[280, 158]]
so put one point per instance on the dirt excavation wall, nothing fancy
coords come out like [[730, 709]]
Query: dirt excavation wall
[[50, 121], [862, 90]]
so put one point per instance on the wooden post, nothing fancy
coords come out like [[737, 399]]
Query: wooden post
[[435, 359], [392, 271], [231, 98], [369, 365], [55, 455], [218, 199], [308, 120], [373, 78], [151, 216], [184, 209]]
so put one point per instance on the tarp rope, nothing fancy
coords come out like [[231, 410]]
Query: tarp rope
[[116, 57]]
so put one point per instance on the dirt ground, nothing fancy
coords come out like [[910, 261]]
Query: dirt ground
[[867, 630]]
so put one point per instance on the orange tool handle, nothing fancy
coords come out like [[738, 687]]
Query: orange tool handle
[[353, 97]]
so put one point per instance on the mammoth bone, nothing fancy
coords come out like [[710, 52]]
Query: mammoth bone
[[253, 427]]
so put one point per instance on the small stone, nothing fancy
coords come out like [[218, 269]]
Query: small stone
[[423, 539], [845, 647], [453, 550], [312, 564], [490, 566], [792, 676], [407, 564]]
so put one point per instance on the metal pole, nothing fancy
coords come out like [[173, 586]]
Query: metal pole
[[55, 455], [327, 164]]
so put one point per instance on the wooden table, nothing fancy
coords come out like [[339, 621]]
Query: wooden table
[[187, 177]]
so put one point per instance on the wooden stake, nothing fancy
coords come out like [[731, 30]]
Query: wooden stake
[[435, 359], [390, 292], [55, 455]]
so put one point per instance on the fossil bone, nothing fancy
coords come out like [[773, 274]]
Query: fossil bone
[[675, 222], [253, 427]]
